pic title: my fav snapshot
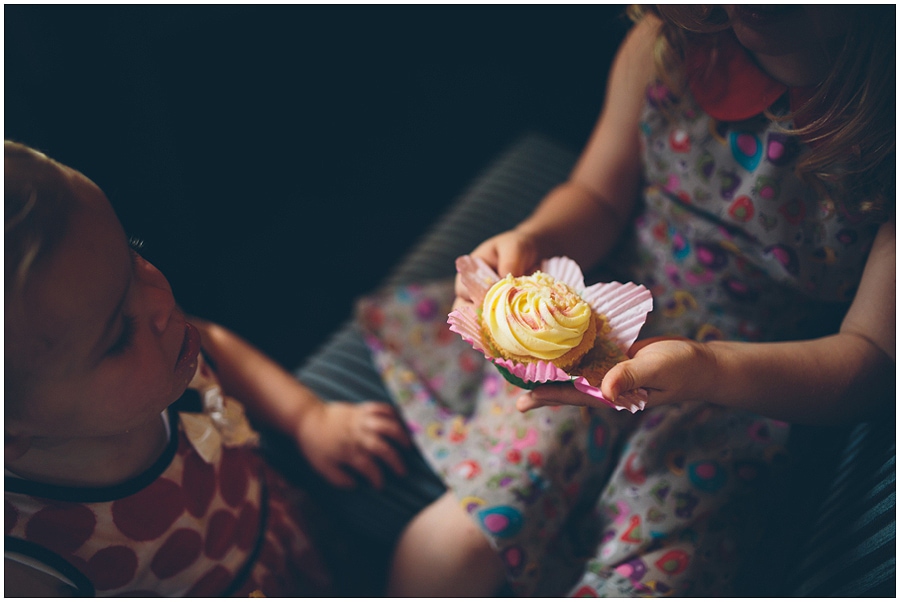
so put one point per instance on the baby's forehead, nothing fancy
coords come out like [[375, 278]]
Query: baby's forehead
[[39, 332], [64, 258], [63, 307]]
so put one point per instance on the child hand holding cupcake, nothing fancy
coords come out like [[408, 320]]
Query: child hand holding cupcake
[[549, 327]]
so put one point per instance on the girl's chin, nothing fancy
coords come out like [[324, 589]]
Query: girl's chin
[[765, 15], [762, 43]]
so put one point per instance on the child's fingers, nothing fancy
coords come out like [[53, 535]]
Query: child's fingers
[[366, 466], [621, 378], [647, 370], [668, 368], [379, 407], [515, 254], [387, 453], [528, 402], [393, 430], [463, 297], [554, 395], [337, 477], [384, 421], [640, 344]]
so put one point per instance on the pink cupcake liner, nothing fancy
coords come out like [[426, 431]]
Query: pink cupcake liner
[[625, 306]]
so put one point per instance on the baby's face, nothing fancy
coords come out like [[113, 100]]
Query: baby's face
[[111, 348]]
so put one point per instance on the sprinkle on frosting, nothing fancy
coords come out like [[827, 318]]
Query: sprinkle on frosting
[[535, 316]]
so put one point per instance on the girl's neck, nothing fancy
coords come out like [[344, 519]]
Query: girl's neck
[[92, 462]]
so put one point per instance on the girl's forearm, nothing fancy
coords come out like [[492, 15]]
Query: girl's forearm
[[832, 380], [584, 217], [246, 373], [574, 222], [846, 376]]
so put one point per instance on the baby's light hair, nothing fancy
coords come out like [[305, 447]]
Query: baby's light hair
[[36, 217], [35, 190], [853, 109]]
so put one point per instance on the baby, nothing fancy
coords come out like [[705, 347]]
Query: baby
[[131, 468]]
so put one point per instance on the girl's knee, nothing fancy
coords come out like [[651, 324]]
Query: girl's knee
[[451, 524], [444, 553]]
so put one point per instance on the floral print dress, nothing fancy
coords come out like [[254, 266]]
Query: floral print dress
[[595, 502]]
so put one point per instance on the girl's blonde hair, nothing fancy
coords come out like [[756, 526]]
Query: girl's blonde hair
[[852, 112]]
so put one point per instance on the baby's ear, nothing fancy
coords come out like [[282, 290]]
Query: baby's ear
[[16, 445]]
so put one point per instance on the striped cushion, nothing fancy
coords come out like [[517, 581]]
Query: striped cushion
[[850, 551], [498, 200]]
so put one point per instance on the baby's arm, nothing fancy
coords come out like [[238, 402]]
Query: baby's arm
[[843, 377], [583, 217], [339, 439]]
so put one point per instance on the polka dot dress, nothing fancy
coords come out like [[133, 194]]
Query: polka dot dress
[[188, 527]]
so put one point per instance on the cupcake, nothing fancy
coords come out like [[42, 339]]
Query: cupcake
[[548, 327], [532, 318]]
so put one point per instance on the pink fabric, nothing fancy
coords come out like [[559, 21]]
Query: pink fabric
[[728, 84]]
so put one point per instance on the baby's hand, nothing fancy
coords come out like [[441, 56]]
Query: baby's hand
[[342, 440]]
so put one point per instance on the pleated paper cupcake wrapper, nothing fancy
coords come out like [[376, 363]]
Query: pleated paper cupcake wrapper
[[625, 307]]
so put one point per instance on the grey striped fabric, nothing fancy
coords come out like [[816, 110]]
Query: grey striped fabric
[[499, 199], [851, 550]]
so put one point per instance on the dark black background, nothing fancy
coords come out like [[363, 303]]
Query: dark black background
[[278, 160]]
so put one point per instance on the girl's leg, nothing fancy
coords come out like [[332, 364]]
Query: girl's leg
[[442, 553], [685, 503]]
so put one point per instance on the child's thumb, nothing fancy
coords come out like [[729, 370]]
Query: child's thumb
[[621, 378]]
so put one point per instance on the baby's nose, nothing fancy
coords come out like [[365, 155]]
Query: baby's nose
[[159, 296]]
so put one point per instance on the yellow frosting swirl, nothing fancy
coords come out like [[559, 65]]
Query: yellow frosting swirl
[[535, 316]]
